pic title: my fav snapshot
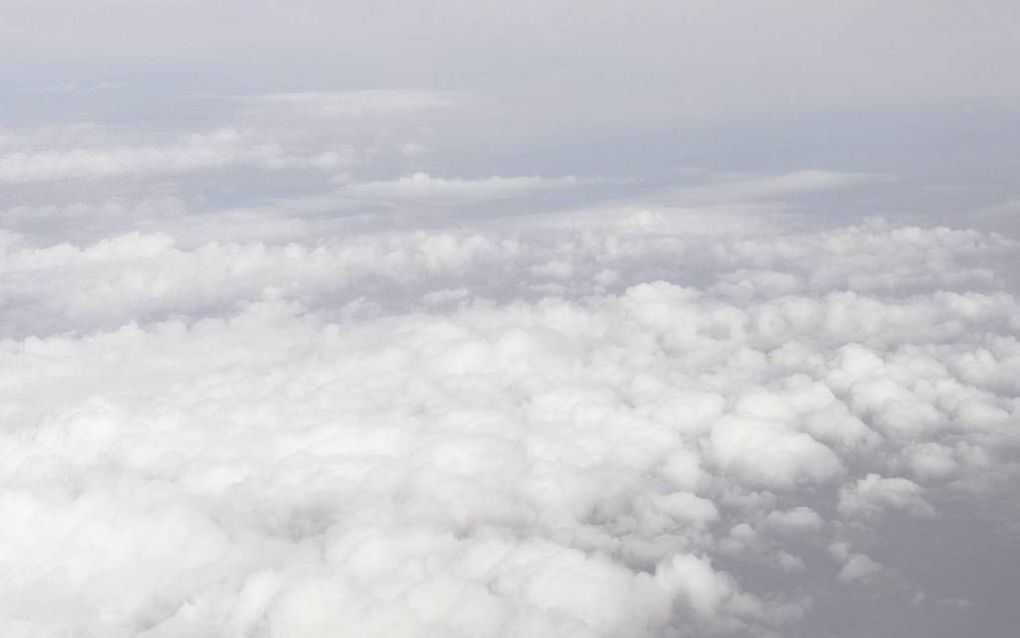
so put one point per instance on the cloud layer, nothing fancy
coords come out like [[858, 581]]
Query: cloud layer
[[555, 319], [604, 425]]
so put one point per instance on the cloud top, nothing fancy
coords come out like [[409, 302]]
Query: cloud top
[[489, 431]]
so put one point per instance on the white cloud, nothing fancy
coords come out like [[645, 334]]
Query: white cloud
[[219, 149], [422, 186], [768, 453], [294, 342], [799, 520], [406, 433], [744, 188], [858, 567], [875, 494]]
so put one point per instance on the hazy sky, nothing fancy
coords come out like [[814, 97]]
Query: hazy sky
[[926, 90], [509, 319]]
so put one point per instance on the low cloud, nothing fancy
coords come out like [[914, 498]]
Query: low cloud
[[750, 187], [220, 149], [439, 319], [491, 430], [424, 187]]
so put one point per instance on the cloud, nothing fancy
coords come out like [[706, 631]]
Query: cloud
[[751, 188], [858, 567], [438, 319], [357, 103], [474, 431], [424, 187], [875, 494], [219, 149]]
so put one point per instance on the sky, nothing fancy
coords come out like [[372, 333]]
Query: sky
[[509, 319]]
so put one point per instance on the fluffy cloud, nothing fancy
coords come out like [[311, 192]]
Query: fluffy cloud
[[874, 494], [602, 425], [439, 319]]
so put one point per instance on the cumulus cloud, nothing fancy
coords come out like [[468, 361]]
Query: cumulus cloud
[[857, 567], [874, 494], [439, 319], [597, 425]]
